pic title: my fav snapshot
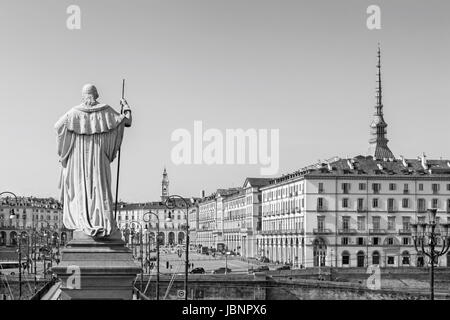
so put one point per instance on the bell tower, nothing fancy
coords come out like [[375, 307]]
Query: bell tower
[[165, 186]]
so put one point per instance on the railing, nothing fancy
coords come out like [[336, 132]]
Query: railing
[[44, 289], [321, 208], [405, 191], [404, 231], [392, 209], [139, 295], [361, 209], [347, 231], [377, 231], [322, 231]]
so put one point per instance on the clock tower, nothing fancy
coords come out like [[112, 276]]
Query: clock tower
[[165, 186]]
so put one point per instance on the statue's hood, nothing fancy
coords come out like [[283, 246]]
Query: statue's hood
[[90, 120]]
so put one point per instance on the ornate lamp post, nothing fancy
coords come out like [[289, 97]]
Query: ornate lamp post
[[141, 253], [147, 219], [171, 204], [424, 234]]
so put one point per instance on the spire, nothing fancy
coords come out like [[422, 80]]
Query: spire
[[378, 142], [379, 95]]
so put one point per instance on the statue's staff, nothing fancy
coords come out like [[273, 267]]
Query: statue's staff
[[118, 155]]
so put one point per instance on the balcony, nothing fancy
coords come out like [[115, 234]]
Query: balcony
[[347, 231], [404, 231], [377, 231], [392, 209], [321, 208], [406, 191], [293, 231], [421, 210], [361, 209], [322, 231]]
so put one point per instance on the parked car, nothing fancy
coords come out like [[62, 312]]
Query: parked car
[[199, 270], [285, 267], [264, 259], [222, 270], [261, 269]]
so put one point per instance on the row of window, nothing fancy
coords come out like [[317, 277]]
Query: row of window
[[391, 204], [376, 187], [25, 211], [376, 223], [376, 241]]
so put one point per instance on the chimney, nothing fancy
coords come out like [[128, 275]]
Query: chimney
[[202, 194]]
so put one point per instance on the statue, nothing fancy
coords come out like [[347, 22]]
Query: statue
[[88, 138]]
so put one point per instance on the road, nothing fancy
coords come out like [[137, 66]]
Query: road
[[208, 262]]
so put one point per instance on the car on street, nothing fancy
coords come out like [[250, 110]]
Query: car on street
[[261, 269], [198, 270], [264, 259], [285, 267], [222, 270]]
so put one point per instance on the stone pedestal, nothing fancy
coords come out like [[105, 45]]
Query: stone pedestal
[[96, 269]]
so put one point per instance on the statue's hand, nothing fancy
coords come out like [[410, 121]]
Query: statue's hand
[[125, 106], [124, 103]]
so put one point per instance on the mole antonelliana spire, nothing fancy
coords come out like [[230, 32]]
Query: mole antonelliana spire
[[378, 142]]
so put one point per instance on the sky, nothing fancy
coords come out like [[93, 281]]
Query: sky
[[306, 68]]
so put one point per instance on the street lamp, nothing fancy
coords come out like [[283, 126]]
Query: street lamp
[[171, 204], [146, 218], [140, 249], [425, 234], [12, 214]]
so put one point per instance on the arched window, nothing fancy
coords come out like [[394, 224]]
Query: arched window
[[375, 257], [345, 258], [405, 258], [360, 259], [319, 252]]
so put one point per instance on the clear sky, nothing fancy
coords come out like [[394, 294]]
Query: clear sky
[[306, 68]]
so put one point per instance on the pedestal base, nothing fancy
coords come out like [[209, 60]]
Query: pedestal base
[[96, 269]]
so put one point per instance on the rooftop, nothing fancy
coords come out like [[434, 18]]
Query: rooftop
[[368, 166]]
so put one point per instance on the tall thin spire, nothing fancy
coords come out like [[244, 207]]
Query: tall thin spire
[[378, 142], [379, 91]]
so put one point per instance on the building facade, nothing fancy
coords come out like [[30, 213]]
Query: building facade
[[131, 217], [231, 218], [353, 212], [31, 214]]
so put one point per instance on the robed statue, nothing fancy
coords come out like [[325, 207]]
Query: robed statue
[[88, 138]]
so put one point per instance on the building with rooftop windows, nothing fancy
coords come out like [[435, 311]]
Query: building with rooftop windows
[[354, 212]]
